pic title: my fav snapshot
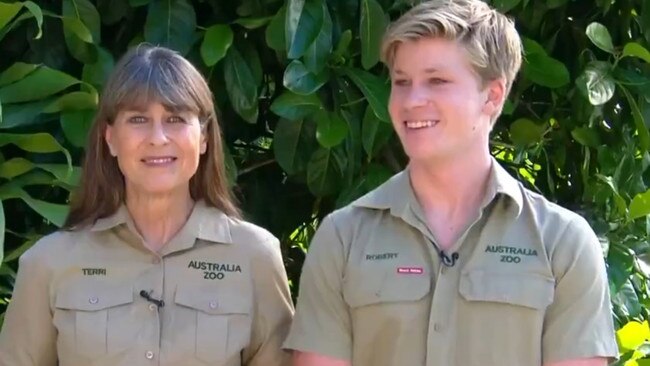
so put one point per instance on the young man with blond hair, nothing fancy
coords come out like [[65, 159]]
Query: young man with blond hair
[[452, 261]]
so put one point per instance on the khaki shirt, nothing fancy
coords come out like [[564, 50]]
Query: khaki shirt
[[77, 297], [529, 285]]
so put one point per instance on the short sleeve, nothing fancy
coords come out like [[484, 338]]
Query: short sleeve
[[273, 309], [578, 324], [28, 336], [322, 321]]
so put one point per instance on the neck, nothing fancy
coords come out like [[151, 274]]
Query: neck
[[450, 186], [158, 218]]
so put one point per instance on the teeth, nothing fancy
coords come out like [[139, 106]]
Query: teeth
[[159, 160], [421, 124]]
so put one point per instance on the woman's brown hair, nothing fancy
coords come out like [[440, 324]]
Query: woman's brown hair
[[144, 75]]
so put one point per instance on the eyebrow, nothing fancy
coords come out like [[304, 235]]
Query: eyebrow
[[428, 70]]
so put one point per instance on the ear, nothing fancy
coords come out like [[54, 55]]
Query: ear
[[495, 92], [108, 137], [204, 140]]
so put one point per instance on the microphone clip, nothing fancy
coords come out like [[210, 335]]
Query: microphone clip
[[147, 296]]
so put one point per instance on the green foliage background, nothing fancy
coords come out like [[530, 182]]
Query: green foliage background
[[302, 101]]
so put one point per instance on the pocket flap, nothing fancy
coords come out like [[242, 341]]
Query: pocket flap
[[373, 288], [92, 296], [213, 300], [523, 289]]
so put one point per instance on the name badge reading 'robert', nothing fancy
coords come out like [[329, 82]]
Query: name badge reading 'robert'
[[214, 271]]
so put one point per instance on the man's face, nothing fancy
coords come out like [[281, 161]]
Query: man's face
[[438, 106]]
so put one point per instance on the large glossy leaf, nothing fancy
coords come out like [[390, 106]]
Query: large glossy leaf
[[292, 144], [216, 42], [524, 132], [323, 173], [300, 80], [76, 124], [8, 12], [73, 101], [253, 22], [371, 30], [318, 53], [39, 84], [586, 136], [632, 335], [171, 23], [294, 106], [40, 142], [374, 89], [636, 50], [23, 114], [16, 72], [331, 128], [303, 24], [542, 69], [241, 86], [275, 32], [2, 232], [596, 83], [97, 73], [599, 35], [52, 212], [81, 28], [374, 133], [19, 166], [640, 205]]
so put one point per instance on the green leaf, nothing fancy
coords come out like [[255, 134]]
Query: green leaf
[[344, 43], [37, 13], [301, 81], [596, 83], [216, 42], [275, 33], [136, 3], [240, 85], [19, 251], [599, 35], [81, 28], [374, 133], [642, 130], [376, 176], [73, 101], [97, 73], [545, 71], [8, 12], [36, 143], [640, 205], [294, 106], [374, 89], [16, 72], [636, 50], [76, 125], [586, 136], [317, 54], [524, 132], [171, 23], [291, 144], [331, 128], [371, 30], [39, 84], [19, 166], [505, 5], [303, 23], [23, 114], [253, 23], [54, 213], [15, 167], [2, 231], [85, 13], [323, 175]]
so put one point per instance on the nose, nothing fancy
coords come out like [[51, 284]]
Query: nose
[[416, 97], [158, 134]]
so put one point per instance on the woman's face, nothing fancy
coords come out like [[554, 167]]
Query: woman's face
[[157, 149]]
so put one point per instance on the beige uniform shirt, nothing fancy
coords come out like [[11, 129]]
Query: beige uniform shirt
[[77, 297], [528, 287]]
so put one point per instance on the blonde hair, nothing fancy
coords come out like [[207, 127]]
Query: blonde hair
[[144, 75], [489, 37]]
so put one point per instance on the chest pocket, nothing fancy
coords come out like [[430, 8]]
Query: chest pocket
[[517, 289], [82, 310], [384, 285], [219, 321]]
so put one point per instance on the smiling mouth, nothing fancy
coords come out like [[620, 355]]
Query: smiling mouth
[[159, 161], [416, 125]]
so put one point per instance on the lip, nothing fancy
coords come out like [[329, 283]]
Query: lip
[[418, 124], [158, 160]]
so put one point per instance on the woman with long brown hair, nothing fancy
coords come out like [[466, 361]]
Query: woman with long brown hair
[[154, 265]]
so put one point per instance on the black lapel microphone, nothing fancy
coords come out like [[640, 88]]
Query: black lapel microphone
[[447, 260], [146, 295]]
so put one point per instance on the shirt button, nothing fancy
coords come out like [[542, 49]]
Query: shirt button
[[152, 307], [93, 300], [213, 304], [149, 355]]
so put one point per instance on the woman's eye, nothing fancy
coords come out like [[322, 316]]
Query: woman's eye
[[436, 81], [400, 82], [176, 119], [137, 119]]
